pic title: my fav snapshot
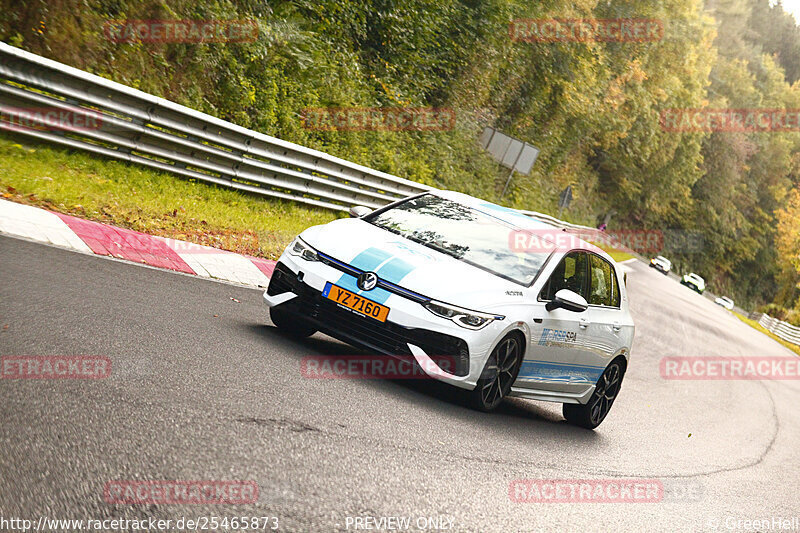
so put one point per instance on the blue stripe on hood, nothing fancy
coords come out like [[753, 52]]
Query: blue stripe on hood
[[393, 270]]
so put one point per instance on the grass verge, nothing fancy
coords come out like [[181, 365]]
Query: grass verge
[[752, 323], [149, 201]]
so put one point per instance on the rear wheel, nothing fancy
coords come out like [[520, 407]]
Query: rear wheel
[[594, 412], [499, 374], [291, 324]]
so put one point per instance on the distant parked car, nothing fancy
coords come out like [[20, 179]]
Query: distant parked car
[[661, 263], [725, 302], [694, 282]]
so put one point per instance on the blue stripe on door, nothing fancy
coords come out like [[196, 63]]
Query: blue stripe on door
[[560, 371]]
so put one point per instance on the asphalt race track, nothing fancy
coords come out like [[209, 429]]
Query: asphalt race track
[[192, 396]]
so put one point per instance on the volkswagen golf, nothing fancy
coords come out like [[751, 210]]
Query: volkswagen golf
[[516, 307]]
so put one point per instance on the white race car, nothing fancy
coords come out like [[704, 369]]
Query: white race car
[[725, 302], [694, 282], [522, 308], [661, 263]]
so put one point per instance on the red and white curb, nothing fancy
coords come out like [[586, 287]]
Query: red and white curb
[[89, 237]]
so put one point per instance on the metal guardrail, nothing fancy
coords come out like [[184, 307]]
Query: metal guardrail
[[137, 127], [782, 329], [141, 128]]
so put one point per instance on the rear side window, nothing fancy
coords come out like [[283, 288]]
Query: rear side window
[[603, 286], [571, 273]]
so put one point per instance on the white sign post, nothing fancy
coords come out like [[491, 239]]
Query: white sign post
[[512, 153]]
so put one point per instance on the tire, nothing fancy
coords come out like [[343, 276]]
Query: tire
[[496, 379], [591, 414], [290, 324]]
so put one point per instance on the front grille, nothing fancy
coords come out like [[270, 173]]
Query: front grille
[[449, 352], [382, 283]]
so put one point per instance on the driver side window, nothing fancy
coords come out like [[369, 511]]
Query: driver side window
[[571, 273], [604, 288]]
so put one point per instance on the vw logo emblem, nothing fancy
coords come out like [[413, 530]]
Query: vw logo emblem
[[367, 281]]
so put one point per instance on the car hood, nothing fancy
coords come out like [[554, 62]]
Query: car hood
[[411, 265]]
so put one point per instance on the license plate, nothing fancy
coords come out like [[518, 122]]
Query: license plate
[[355, 302]]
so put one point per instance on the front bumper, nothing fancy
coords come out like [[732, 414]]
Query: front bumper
[[442, 349]]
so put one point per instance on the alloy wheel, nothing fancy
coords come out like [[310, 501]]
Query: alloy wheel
[[605, 393], [500, 371]]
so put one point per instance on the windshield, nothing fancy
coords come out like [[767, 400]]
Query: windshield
[[465, 234]]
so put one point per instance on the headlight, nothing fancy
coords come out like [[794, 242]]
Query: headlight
[[463, 317], [301, 249]]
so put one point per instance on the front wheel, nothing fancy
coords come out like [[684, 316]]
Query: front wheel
[[595, 410], [289, 324], [498, 375]]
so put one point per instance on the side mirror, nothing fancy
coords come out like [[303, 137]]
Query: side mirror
[[358, 211], [569, 300]]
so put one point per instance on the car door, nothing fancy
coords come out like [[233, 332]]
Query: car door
[[558, 336], [606, 318]]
